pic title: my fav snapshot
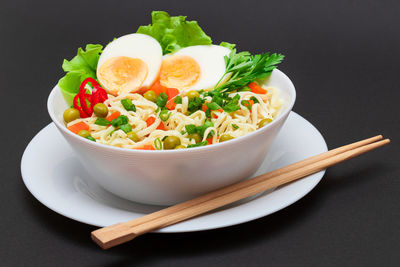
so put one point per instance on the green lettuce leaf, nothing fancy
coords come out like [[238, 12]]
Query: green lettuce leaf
[[82, 66], [174, 33]]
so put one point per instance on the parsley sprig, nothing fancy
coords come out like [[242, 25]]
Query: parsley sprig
[[246, 68]]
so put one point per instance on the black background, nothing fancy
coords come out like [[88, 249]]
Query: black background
[[342, 56]]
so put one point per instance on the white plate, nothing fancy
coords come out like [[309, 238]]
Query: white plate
[[54, 175]]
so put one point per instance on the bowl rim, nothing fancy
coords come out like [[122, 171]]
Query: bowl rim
[[216, 146]]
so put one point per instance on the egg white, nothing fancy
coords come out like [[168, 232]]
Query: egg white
[[210, 59], [139, 46]]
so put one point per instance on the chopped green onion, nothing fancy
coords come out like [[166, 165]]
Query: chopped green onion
[[235, 126], [162, 99], [254, 99], [213, 106], [102, 122], [178, 99], [128, 105], [158, 144], [164, 115], [126, 128], [204, 143], [91, 138], [121, 120], [246, 104], [191, 128]]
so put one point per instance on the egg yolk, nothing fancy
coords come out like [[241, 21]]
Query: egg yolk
[[122, 74], [179, 72]]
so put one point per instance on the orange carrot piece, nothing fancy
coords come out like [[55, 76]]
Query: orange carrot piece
[[255, 88], [158, 88], [113, 115], [161, 126], [151, 120], [214, 115], [146, 147], [77, 127], [172, 92], [210, 140], [204, 107], [171, 104], [251, 104]]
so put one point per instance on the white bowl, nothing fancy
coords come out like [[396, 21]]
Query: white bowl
[[170, 176]]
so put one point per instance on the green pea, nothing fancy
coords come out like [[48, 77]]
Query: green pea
[[264, 122], [133, 136], [180, 147], [196, 136], [225, 137], [192, 94], [151, 96], [171, 142], [71, 114], [84, 133], [100, 110]]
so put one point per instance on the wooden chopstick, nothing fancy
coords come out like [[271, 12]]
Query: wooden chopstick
[[122, 232]]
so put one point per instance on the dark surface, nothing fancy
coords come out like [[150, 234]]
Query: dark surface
[[343, 57]]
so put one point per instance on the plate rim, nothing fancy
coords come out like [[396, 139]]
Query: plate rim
[[171, 229]]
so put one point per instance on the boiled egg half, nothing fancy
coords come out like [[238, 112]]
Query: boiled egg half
[[129, 63], [194, 67]]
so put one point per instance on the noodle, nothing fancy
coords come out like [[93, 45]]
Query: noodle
[[236, 124]]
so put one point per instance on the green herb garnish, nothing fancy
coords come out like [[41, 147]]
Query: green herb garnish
[[246, 68], [232, 105], [128, 105], [235, 126]]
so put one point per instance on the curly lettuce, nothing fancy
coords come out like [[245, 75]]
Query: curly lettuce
[[174, 33], [82, 66]]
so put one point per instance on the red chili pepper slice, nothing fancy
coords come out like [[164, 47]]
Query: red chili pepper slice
[[99, 95]]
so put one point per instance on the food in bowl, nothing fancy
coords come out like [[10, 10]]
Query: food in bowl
[[168, 87]]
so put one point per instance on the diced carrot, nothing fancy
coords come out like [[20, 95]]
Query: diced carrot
[[251, 104], [255, 88], [161, 126], [210, 140], [171, 104], [146, 147], [151, 120], [77, 127], [214, 115], [158, 88], [172, 92], [204, 107], [113, 115]]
